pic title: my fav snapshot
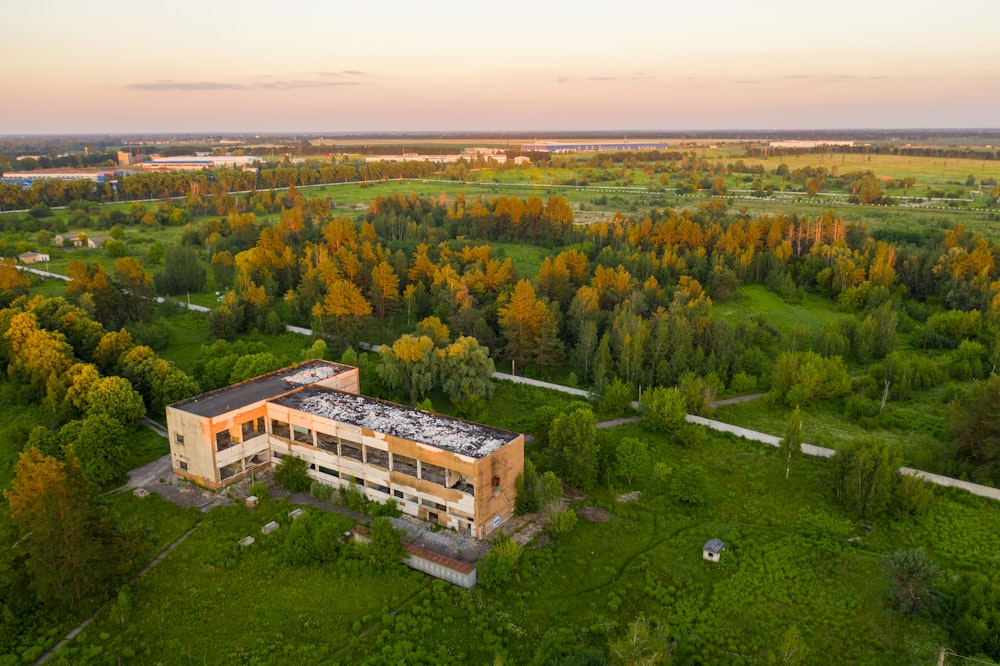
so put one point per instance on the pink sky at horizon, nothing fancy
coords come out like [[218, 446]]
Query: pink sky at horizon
[[449, 66]]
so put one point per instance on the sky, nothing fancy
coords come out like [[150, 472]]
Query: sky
[[336, 66]]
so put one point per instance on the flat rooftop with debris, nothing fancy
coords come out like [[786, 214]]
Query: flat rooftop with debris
[[260, 388], [442, 432]]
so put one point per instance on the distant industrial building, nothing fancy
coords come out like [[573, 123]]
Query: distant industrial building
[[592, 146], [451, 472], [197, 162], [500, 158], [809, 144], [26, 178]]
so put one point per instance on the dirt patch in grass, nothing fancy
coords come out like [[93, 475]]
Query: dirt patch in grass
[[594, 515]]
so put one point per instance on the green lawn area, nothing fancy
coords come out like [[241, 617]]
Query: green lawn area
[[788, 563], [754, 300], [527, 259], [913, 427]]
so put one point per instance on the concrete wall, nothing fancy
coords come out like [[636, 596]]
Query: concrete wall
[[189, 436]]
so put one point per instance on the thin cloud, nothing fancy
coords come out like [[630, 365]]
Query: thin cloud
[[304, 83], [343, 72], [281, 84], [164, 84]]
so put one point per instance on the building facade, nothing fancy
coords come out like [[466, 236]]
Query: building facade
[[451, 472]]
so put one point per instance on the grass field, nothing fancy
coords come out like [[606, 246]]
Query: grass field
[[757, 300], [787, 564]]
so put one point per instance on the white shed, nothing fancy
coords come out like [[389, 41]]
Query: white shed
[[712, 550]]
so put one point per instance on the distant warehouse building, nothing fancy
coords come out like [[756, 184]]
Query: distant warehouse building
[[444, 470], [592, 146], [196, 162]]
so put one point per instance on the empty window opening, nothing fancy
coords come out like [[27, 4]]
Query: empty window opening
[[230, 471], [433, 505], [375, 486], [252, 428], [179, 438], [223, 440], [280, 429], [330, 472], [432, 473], [352, 451], [377, 457], [302, 435], [183, 465], [404, 465], [326, 442]]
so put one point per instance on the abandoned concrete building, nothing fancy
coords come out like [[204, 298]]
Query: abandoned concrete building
[[451, 472]]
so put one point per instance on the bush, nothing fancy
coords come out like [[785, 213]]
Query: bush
[[259, 490], [501, 562], [320, 490], [292, 474], [690, 485], [352, 497], [564, 522]]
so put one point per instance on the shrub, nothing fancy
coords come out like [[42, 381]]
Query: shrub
[[564, 522], [320, 490], [292, 474], [690, 485], [352, 497], [259, 490], [501, 562]]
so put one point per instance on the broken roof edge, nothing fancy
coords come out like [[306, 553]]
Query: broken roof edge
[[260, 379]]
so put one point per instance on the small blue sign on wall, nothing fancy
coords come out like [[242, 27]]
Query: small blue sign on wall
[[496, 520]]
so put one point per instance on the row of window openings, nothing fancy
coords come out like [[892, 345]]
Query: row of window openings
[[399, 494], [376, 457], [361, 453]]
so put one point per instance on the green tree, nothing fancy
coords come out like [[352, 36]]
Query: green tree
[[971, 610], [182, 272], [501, 562], [409, 363], [59, 528], [632, 457], [292, 474], [865, 476], [690, 485], [573, 435], [550, 493], [664, 409], [644, 643], [385, 548], [913, 575], [975, 428], [99, 446], [466, 371], [791, 443], [661, 474], [527, 487], [115, 398], [617, 398]]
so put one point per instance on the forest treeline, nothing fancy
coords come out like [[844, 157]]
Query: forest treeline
[[633, 297]]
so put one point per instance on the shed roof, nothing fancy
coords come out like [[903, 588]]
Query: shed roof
[[714, 545]]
